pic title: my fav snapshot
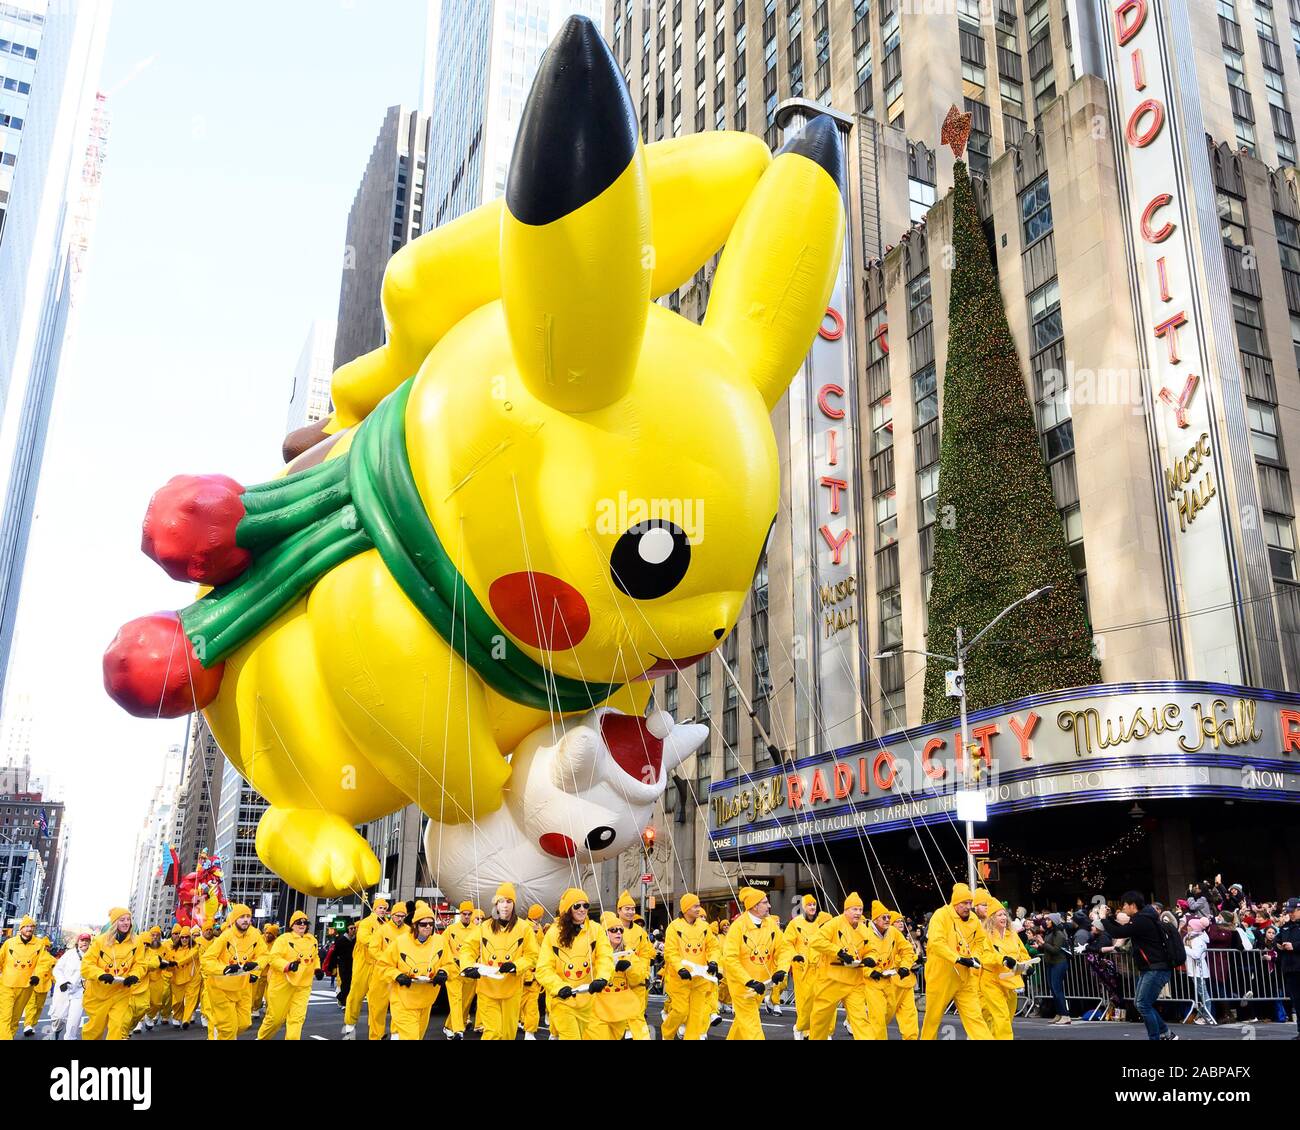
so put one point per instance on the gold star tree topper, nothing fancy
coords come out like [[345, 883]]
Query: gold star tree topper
[[956, 131]]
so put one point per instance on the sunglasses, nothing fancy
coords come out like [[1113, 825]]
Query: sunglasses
[[580, 906]]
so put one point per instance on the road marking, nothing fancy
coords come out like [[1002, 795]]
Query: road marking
[[315, 1037]]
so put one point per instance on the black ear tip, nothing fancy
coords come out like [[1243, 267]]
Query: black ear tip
[[819, 141], [578, 131]]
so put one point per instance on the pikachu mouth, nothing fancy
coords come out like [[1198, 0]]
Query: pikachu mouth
[[668, 666]]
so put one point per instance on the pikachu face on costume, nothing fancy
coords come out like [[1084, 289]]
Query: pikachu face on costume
[[543, 491]]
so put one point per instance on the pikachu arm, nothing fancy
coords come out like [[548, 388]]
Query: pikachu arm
[[389, 962], [214, 957], [673, 948], [939, 936], [602, 961], [528, 959], [784, 951], [281, 955], [92, 967], [470, 947], [825, 940], [645, 950], [904, 951], [547, 976], [731, 964], [638, 973]]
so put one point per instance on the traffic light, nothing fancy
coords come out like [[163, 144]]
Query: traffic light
[[648, 839]]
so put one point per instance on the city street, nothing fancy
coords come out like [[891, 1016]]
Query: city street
[[325, 1020]]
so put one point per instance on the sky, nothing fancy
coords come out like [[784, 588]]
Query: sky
[[239, 134]]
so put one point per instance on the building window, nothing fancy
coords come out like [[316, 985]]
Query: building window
[[1245, 135], [921, 197], [927, 494], [1013, 96], [1045, 316], [1279, 533], [1295, 338], [886, 518], [925, 396], [1232, 220], [1263, 430], [1250, 324], [920, 310], [882, 424], [1036, 210], [1072, 520], [1288, 241], [891, 619], [703, 693]]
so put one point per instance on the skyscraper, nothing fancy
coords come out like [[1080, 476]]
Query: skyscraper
[[20, 44], [487, 55], [309, 400], [387, 212], [50, 212], [200, 790]]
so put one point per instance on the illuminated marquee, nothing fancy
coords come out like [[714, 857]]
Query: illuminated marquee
[[1073, 746]]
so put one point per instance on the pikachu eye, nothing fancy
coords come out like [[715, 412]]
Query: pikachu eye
[[650, 559]]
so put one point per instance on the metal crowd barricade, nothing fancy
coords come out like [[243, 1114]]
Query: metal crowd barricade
[[1236, 978]]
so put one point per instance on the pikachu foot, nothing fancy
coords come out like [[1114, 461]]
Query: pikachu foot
[[316, 852]]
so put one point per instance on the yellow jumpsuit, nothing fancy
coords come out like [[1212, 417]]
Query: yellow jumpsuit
[[688, 1002], [900, 992], [261, 985], [230, 996], [619, 1007], [998, 984], [587, 958], [377, 993], [363, 964], [150, 982], [288, 992], [156, 980], [19, 963], [110, 1008], [949, 938], [185, 980], [460, 990], [412, 1004], [799, 933], [637, 941], [891, 952], [752, 951], [499, 1001], [530, 1003], [841, 984], [36, 1002]]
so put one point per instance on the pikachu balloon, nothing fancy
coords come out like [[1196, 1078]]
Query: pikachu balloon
[[543, 491]]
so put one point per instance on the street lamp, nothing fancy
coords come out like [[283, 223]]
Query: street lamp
[[963, 649]]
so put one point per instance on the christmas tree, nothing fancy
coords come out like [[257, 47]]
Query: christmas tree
[[998, 535]]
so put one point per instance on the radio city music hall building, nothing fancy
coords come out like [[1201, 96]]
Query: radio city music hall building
[[1134, 167]]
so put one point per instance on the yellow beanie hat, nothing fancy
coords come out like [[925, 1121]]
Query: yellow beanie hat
[[113, 915], [960, 893], [895, 918], [272, 928], [980, 896], [625, 899], [239, 910], [571, 896], [536, 912], [687, 901], [466, 907], [196, 931], [506, 891], [808, 900], [381, 901], [853, 899], [421, 912], [296, 916], [750, 898], [878, 908], [994, 905], [610, 919]]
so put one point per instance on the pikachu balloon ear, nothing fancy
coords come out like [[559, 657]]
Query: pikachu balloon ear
[[778, 268], [575, 235]]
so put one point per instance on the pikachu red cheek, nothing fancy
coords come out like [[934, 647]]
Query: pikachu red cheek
[[540, 610]]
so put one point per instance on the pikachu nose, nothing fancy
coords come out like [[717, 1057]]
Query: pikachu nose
[[718, 633]]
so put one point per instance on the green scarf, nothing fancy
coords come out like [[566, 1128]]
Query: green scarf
[[300, 527]]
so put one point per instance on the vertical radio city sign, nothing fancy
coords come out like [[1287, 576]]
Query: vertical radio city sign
[[1173, 337], [826, 510]]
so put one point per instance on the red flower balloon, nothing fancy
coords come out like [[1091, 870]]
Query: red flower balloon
[[151, 669], [189, 529]]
